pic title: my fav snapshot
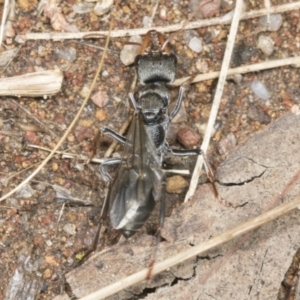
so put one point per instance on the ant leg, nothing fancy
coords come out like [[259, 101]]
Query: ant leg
[[181, 92], [162, 213], [104, 210], [178, 103], [113, 134], [208, 169]]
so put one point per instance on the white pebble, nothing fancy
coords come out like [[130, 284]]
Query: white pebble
[[103, 6], [271, 22], [129, 52], [147, 21], [260, 90], [7, 56], [70, 229], [195, 44], [265, 44]]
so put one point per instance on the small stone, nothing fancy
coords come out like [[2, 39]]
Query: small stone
[[83, 132], [54, 167], [26, 4], [237, 78], [32, 137], [25, 192], [271, 22], [51, 261], [256, 113], [176, 184], [260, 90], [188, 137], [129, 52], [163, 13], [68, 54], [266, 45], [47, 273], [295, 109], [70, 229], [103, 6], [100, 115], [101, 98], [205, 8], [84, 91], [147, 21], [195, 44], [226, 144], [86, 122], [9, 32], [126, 9], [7, 56]]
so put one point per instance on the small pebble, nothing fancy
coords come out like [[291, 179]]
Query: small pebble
[[266, 45], [100, 115], [54, 166], [176, 184], [256, 113], [129, 52], [70, 229], [295, 109], [260, 90], [25, 192], [271, 22], [195, 44], [188, 137], [68, 54], [205, 8], [7, 56], [147, 21], [103, 6], [163, 13], [82, 133], [101, 98], [83, 8], [226, 144], [47, 273], [237, 78]]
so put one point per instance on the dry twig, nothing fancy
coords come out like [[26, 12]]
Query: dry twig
[[242, 70], [4, 17], [141, 31], [217, 98]]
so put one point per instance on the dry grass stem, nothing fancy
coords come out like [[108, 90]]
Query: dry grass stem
[[45, 161], [217, 98], [242, 70], [36, 84], [4, 17], [68, 155], [225, 237], [33, 117], [141, 31]]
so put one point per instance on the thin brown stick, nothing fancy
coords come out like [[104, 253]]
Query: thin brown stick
[[37, 170], [141, 31]]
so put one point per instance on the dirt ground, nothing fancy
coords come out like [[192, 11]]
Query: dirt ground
[[44, 221]]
